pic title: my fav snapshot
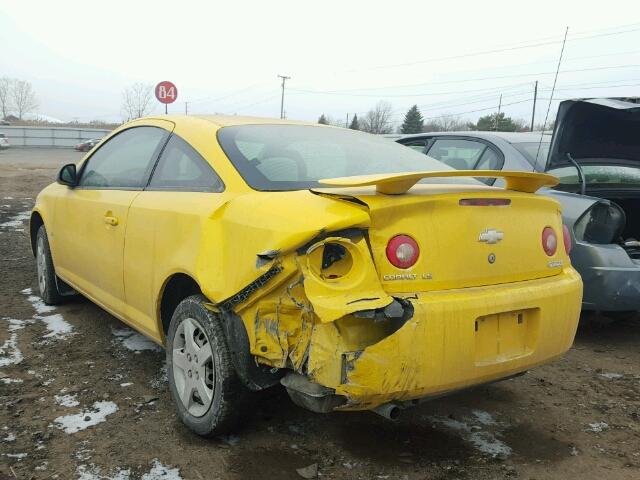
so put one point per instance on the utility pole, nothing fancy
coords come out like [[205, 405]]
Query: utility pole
[[535, 97], [346, 124], [186, 108], [284, 79], [498, 114]]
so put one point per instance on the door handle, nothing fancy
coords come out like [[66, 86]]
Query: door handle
[[111, 220]]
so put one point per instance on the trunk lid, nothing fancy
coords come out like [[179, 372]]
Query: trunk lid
[[596, 131], [462, 243]]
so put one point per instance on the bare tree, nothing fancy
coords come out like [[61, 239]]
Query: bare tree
[[136, 100], [5, 96], [445, 123], [378, 119], [24, 98]]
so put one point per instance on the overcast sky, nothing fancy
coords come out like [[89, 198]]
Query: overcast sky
[[343, 56]]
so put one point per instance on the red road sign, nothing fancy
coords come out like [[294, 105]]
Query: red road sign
[[166, 92]]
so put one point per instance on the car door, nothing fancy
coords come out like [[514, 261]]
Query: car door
[[166, 227], [91, 218]]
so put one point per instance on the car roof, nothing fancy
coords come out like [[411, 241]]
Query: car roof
[[231, 120], [510, 137]]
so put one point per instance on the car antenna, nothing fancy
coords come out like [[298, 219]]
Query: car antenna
[[581, 179], [553, 89]]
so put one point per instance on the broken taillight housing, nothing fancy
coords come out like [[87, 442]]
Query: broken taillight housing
[[403, 251], [549, 241]]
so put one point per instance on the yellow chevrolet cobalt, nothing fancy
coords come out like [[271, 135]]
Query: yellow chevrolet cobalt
[[359, 274]]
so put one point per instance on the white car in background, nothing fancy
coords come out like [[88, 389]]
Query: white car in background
[[4, 141]]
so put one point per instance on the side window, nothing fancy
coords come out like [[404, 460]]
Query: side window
[[124, 161], [182, 168], [457, 153], [418, 145]]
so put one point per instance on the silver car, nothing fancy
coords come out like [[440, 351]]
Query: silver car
[[595, 152], [4, 141]]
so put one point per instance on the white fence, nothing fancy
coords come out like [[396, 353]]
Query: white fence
[[57, 137]]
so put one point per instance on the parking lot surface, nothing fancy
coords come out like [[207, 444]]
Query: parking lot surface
[[84, 396]]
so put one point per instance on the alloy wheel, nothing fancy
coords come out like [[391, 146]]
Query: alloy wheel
[[193, 367], [41, 265]]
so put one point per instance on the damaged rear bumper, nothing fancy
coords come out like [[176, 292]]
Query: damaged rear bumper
[[454, 340]]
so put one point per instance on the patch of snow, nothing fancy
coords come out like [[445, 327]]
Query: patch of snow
[[611, 376], [92, 472], [127, 384], [15, 324], [67, 400], [471, 429], [39, 306], [86, 418], [161, 472], [598, 427], [19, 456], [7, 381], [10, 354], [158, 472], [58, 327], [11, 437], [485, 418], [16, 220], [134, 341]]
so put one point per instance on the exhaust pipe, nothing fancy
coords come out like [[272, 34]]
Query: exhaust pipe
[[390, 411]]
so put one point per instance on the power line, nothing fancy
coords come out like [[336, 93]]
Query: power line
[[466, 80], [553, 89], [497, 50], [232, 94]]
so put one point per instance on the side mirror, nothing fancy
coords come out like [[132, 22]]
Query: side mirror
[[68, 176]]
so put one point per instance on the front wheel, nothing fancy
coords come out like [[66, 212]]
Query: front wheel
[[45, 270], [209, 396]]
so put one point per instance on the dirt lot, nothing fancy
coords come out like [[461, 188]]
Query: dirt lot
[[82, 396]]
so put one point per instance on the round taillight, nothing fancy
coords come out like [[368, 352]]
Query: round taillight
[[549, 241], [566, 238], [402, 251]]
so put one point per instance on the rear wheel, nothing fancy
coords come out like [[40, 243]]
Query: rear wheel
[[209, 396], [45, 270]]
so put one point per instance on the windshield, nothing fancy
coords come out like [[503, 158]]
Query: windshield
[[599, 175], [530, 149], [294, 157]]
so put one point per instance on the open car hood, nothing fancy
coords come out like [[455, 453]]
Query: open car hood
[[596, 131]]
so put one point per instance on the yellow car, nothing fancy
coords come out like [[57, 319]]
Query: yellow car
[[359, 274]]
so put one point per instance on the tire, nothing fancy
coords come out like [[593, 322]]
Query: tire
[[46, 273], [223, 401]]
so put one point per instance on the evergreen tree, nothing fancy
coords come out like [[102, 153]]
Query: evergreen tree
[[354, 123], [413, 121], [497, 122], [323, 120]]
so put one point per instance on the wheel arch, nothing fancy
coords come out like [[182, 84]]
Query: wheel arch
[[176, 288], [35, 223]]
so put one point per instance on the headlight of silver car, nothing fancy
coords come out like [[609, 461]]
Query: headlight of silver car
[[602, 223]]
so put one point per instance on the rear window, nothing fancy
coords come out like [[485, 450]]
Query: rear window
[[295, 157]]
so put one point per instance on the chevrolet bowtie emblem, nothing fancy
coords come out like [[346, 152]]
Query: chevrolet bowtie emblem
[[491, 236]]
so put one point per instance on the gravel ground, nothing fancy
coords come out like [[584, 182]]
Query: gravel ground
[[82, 396]]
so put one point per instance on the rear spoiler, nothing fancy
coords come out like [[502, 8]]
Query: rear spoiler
[[399, 183]]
